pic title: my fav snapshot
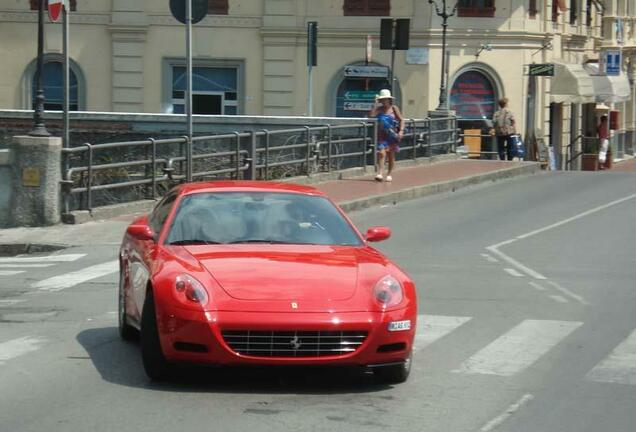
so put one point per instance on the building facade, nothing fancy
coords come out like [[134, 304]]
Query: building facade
[[250, 58]]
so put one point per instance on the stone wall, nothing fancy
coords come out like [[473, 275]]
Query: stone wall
[[6, 188], [97, 128]]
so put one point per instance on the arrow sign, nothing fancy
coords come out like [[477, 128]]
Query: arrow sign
[[55, 9]]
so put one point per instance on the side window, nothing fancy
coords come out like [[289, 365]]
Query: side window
[[161, 212]]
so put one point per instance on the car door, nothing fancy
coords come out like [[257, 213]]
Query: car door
[[142, 253]]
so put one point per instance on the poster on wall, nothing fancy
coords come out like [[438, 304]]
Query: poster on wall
[[473, 96]]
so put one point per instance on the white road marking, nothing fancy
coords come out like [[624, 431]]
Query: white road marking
[[17, 347], [513, 272], [433, 327], [11, 302], [10, 272], [497, 421], [47, 258], [558, 298], [568, 293], [578, 216], [58, 283], [514, 262], [536, 286], [518, 348], [620, 366], [489, 257], [19, 265]]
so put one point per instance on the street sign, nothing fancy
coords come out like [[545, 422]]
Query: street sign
[[55, 9], [541, 69], [199, 10], [358, 106], [612, 61], [366, 71], [360, 95]]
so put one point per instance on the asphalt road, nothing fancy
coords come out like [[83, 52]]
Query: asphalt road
[[527, 293]]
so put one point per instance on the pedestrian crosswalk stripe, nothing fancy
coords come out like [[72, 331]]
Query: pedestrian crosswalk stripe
[[519, 348], [620, 366], [10, 272], [42, 259], [433, 327], [17, 347], [19, 265], [68, 280]]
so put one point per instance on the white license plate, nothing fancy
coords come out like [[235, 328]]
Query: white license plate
[[400, 325]]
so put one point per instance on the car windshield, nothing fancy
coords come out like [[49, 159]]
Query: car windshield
[[259, 217]]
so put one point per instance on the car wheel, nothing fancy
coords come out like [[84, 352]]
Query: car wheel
[[154, 361], [126, 331], [394, 374]]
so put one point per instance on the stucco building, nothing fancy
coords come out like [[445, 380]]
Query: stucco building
[[250, 58]]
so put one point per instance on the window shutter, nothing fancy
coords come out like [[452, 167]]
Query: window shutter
[[218, 7], [354, 7], [379, 8]]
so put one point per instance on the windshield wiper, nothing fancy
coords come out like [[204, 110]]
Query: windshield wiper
[[261, 241], [193, 241]]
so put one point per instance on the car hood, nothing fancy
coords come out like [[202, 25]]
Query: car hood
[[283, 273]]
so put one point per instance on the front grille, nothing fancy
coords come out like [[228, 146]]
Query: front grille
[[294, 343]]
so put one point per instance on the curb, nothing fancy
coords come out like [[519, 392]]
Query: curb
[[13, 249], [438, 188], [114, 210]]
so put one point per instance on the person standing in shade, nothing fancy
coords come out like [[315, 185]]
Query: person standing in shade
[[504, 125], [390, 132], [603, 142]]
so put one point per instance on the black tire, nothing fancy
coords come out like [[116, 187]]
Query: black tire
[[154, 361], [126, 331], [394, 374]]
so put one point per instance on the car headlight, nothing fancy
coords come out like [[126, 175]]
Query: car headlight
[[190, 291], [388, 292]]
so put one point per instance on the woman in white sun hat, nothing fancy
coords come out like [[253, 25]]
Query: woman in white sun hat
[[390, 131]]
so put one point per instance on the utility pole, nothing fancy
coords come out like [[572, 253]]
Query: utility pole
[[39, 129], [445, 15]]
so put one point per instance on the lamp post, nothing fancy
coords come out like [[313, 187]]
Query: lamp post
[[38, 113], [445, 15]]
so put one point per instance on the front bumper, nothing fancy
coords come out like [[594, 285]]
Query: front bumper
[[196, 337]]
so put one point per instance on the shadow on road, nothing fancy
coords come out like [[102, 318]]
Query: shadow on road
[[119, 362]]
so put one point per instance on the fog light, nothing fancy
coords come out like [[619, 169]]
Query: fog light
[[400, 325]]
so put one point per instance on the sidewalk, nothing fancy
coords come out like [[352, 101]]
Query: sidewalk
[[351, 194], [627, 165]]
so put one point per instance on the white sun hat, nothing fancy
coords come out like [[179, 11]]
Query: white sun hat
[[384, 94]]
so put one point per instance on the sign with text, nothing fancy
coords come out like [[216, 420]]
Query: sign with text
[[360, 95], [366, 71], [417, 56], [358, 106], [473, 96], [541, 69]]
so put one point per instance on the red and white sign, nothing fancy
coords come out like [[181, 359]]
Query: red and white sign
[[55, 9]]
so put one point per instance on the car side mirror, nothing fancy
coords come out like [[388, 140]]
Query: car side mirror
[[141, 232], [376, 234]]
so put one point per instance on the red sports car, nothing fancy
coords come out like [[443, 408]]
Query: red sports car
[[246, 273]]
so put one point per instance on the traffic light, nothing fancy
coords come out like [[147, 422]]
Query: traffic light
[[394, 33], [312, 41]]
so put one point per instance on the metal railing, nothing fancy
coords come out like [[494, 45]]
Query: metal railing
[[485, 138], [100, 174]]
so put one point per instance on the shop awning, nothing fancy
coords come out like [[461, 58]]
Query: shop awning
[[571, 84], [608, 88]]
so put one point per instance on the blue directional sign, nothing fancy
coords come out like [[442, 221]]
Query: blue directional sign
[[612, 62]]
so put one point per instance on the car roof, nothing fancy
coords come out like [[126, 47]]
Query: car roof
[[246, 186]]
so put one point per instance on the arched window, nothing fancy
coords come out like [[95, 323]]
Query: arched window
[[473, 96], [53, 85]]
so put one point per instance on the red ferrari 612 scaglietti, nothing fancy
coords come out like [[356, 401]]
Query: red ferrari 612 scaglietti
[[261, 273]]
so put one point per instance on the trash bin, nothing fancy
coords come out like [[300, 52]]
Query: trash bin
[[589, 162]]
